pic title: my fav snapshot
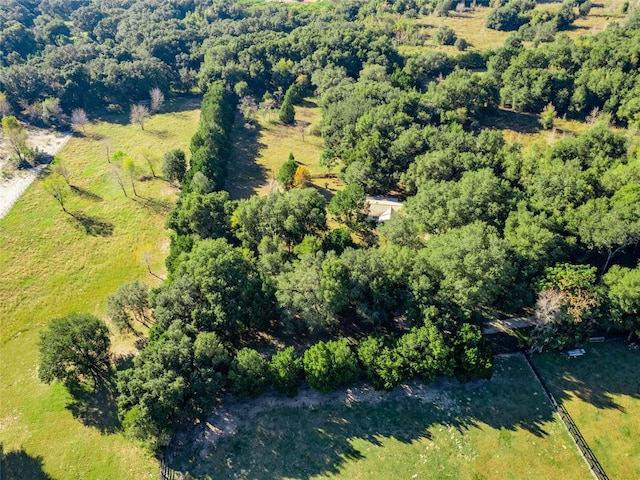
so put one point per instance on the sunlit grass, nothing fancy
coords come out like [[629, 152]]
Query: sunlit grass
[[483, 430], [259, 153], [601, 391], [51, 264], [471, 25]]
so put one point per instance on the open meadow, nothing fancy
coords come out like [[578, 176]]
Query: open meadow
[[481, 430], [601, 392], [53, 263], [259, 151], [471, 25]]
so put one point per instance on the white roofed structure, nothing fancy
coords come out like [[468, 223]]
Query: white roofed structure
[[381, 209]]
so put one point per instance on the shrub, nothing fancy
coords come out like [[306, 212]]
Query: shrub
[[585, 8], [329, 365], [302, 177], [286, 370], [287, 172], [461, 44], [248, 373], [548, 117], [129, 303], [381, 364], [472, 354], [509, 16], [445, 36], [338, 240], [470, 60], [174, 165], [424, 353]]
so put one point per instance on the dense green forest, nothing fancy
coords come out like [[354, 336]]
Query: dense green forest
[[89, 53], [487, 226]]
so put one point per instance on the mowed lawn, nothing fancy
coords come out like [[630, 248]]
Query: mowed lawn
[[259, 152], [498, 429], [52, 263], [601, 391]]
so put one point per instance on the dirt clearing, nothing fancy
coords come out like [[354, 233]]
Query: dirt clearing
[[14, 181]]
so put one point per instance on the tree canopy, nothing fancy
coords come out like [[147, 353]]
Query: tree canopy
[[75, 349]]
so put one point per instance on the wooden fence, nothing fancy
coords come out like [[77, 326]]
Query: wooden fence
[[573, 429], [166, 472]]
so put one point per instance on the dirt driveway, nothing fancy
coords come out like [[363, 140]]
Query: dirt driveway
[[13, 182]]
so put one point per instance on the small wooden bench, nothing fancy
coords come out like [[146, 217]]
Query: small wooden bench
[[596, 340], [578, 352]]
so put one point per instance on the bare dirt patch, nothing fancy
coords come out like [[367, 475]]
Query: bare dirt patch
[[13, 181], [232, 414]]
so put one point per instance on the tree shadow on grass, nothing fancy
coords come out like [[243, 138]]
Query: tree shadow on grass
[[245, 175], [182, 103], [325, 191], [19, 465], [510, 120], [156, 206], [95, 407], [85, 193], [288, 441], [178, 104], [607, 369], [94, 136], [308, 103], [160, 133], [93, 226]]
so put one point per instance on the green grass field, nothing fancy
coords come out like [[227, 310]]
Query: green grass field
[[470, 25], [259, 152], [51, 264], [525, 128], [482, 430], [601, 391]]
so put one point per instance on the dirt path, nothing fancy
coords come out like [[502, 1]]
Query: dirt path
[[14, 182], [231, 414], [496, 326]]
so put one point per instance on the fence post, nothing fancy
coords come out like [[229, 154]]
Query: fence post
[[574, 432]]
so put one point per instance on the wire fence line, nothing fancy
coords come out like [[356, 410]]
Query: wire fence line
[[166, 472], [572, 428]]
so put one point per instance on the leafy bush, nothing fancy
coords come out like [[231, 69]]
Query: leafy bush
[[509, 16], [381, 364], [472, 354], [461, 44], [424, 353], [329, 365], [287, 172], [302, 177], [585, 8], [470, 60], [248, 375], [548, 117], [445, 36], [174, 165], [338, 240], [286, 370], [211, 362], [129, 303]]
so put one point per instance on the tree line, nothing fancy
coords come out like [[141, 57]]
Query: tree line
[[486, 225], [109, 55]]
